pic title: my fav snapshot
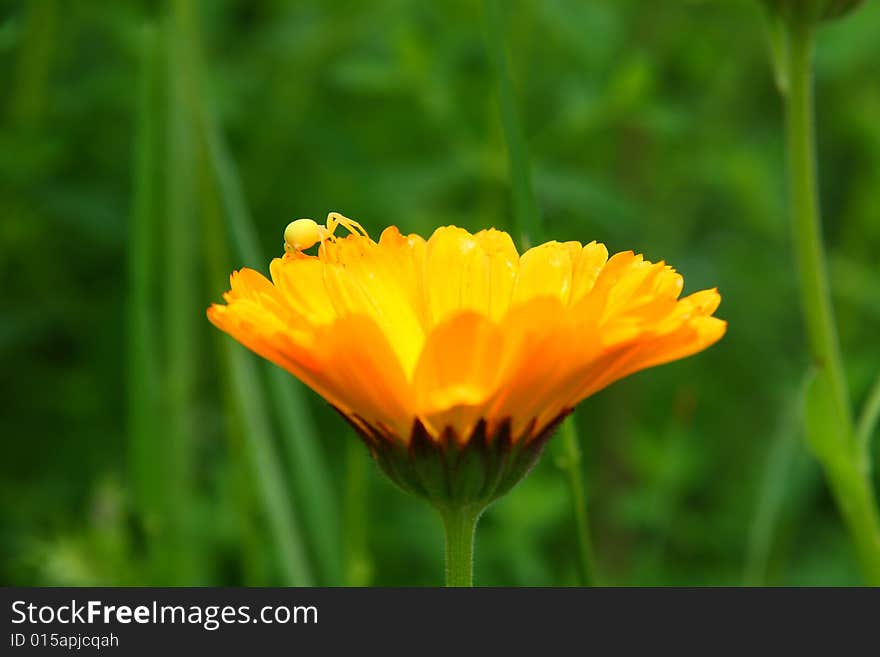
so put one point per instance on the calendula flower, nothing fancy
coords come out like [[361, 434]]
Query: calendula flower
[[455, 357], [459, 336]]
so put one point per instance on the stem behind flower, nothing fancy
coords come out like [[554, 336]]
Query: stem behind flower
[[804, 200], [829, 412], [571, 463]]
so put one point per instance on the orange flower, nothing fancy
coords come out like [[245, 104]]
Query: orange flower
[[459, 336]]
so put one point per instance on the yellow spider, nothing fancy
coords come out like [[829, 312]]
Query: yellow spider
[[305, 233]]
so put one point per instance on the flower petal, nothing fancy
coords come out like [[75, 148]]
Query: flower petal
[[456, 274], [545, 270], [359, 373], [361, 280], [503, 264], [458, 372]]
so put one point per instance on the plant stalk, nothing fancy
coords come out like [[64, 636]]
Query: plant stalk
[[460, 524], [571, 464], [846, 468], [806, 220]]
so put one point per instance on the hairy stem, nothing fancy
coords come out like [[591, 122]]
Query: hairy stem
[[460, 524]]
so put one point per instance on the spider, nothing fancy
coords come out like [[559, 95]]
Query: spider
[[305, 233]]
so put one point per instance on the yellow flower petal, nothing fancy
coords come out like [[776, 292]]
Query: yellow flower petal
[[539, 339], [545, 270], [362, 280], [458, 372], [503, 268], [587, 266], [456, 274], [361, 375]]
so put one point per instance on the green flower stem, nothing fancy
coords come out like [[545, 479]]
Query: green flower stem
[[460, 524], [571, 464], [855, 497], [845, 465], [804, 204]]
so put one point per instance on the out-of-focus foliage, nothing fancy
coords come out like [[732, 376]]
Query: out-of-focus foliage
[[652, 126], [815, 9]]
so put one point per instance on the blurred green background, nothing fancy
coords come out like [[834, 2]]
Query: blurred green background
[[148, 149]]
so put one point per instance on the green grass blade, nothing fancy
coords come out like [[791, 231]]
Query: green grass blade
[[768, 509], [772, 491], [257, 563], [179, 314], [267, 472], [188, 103], [527, 220], [358, 564], [253, 418], [525, 208], [311, 477], [142, 357], [868, 419]]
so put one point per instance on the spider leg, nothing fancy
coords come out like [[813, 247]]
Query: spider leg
[[335, 219], [325, 234]]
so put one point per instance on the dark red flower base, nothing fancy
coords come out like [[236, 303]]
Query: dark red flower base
[[450, 472]]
